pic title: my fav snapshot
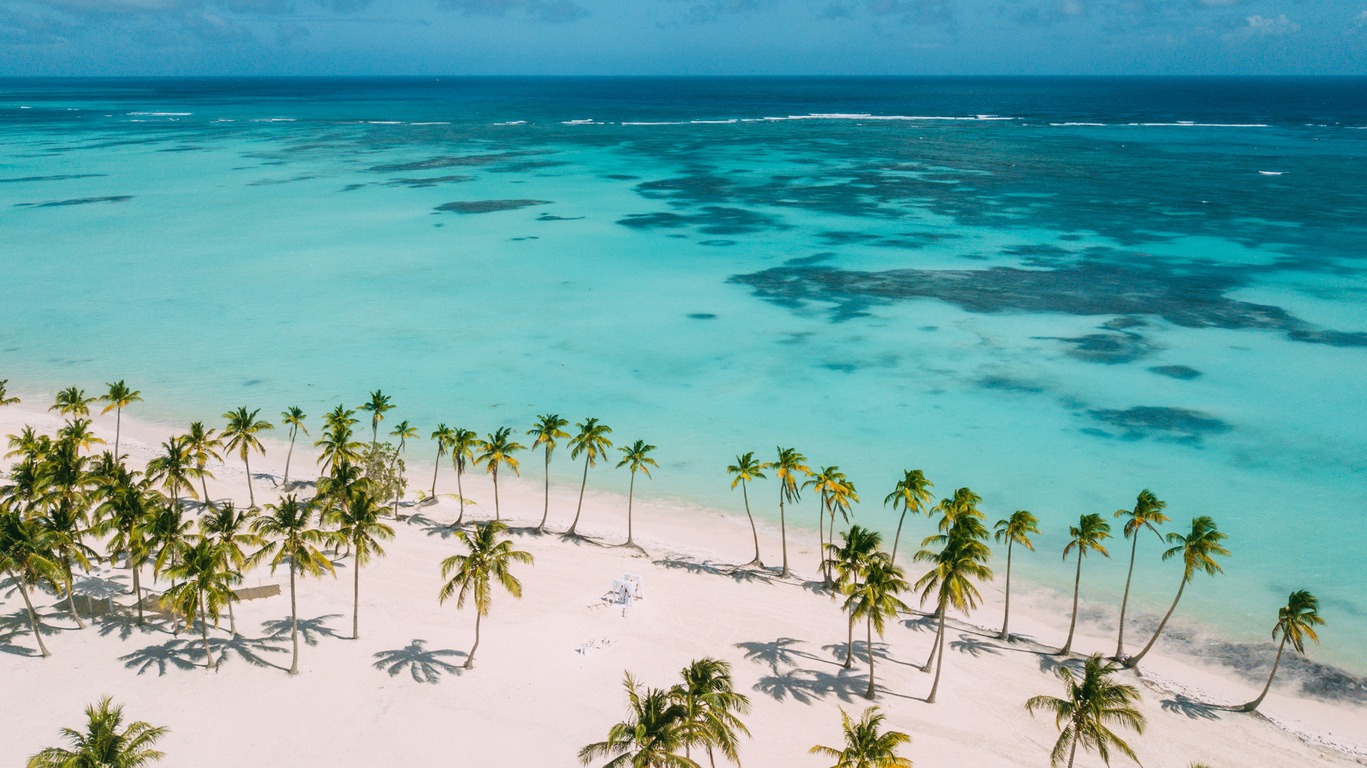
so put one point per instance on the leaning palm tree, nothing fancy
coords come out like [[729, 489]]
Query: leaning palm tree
[[711, 709], [498, 451], [1014, 530], [790, 468], [1198, 550], [5, 398], [292, 417], [66, 527], [911, 494], [118, 397], [202, 444], [1147, 514], [231, 529], [292, 537], [637, 457], [593, 442], [72, 402], [653, 734], [748, 468], [442, 436], [463, 445], [962, 558], [1296, 621], [403, 431], [241, 435], [206, 587], [850, 561], [1088, 710], [823, 481], [875, 600], [358, 524], [489, 559], [104, 744], [26, 557], [377, 407], [1087, 535], [549, 428], [867, 745]]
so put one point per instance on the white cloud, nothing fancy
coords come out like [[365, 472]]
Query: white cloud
[[1361, 19], [1258, 25]]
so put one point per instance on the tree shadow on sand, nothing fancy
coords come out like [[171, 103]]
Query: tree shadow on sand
[[248, 649], [124, 623], [15, 628], [181, 653], [780, 652], [311, 630], [1196, 710], [974, 646], [737, 573], [881, 652], [426, 666]]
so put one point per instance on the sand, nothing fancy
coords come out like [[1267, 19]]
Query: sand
[[548, 674]]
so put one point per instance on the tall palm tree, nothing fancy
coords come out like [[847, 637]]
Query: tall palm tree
[[207, 586], [746, 469], [463, 445], [652, 736], [118, 397], [174, 468], [592, 441], [241, 435], [202, 444], [358, 524], [126, 509], [549, 428], [1087, 711], [72, 402], [867, 745], [823, 481], [230, 529], [488, 560], [292, 537], [292, 417], [442, 436], [850, 561], [1147, 514], [1014, 530], [962, 558], [790, 468], [498, 451], [77, 432], [911, 494], [636, 457], [5, 398], [1198, 550], [1296, 621], [166, 531], [875, 600], [104, 744], [336, 443], [66, 526], [710, 709], [26, 557], [404, 432], [378, 405], [1086, 536]]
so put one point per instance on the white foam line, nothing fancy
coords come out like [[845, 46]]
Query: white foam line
[[580, 122], [1099, 125], [273, 120], [435, 122], [1190, 124], [162, 114], [513, 122], [662, 122], [1270, 173], [383, 122]]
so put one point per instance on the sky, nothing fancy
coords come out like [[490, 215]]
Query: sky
[[683, 37]]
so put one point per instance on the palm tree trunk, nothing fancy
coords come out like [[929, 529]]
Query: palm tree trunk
[[783, 532], [232, 620], [71, 600], [869, 694], [939, 665], [356, 598], [32, 614], [435, 469], [203, 484], [118, 427], [1072, 625], [289, 455], [470, 660], [1133, 661], [1124, 602], [251, 495], [585, 481], [461, 493], [1077, 736], [830, 538], [1252, 705], [849, 643], [1006, 614], [631, 491], [898, 538], [546, 509], [137, 587], [753, 532], [204, 635], [294, 627], [821, 539]]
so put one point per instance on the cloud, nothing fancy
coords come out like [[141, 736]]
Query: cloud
[[545, 10], [286, 34], [906, 11], [1361, 19], [1258, 25]]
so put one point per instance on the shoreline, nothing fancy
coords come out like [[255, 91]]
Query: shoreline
[[683, 538]]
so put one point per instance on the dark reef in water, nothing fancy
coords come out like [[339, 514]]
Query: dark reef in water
[[428, 181], [77, 201], [454, 161], [710, 220], [553, 217], [1181, 372], [488, 206], [1108, 348], [57, 177], [1174, 424]]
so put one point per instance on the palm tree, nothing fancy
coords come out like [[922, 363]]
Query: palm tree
[[292, 417], [5, 398], [1090, 706], [241, 434], [166, 531], [463, 445], [117, 398], [850, 561], [293, 537], [1088, 534], [790, 468], [26, 557], [378, 405], [1147, 513], [548, 429], [637, 457], [710, 709], [498, 450], [823, 481], [77, 432], [173, 468], [1296, 621], [358, 524], [962, 558], [231, 530], [202, 445], [124, 513], [336, 442], [592, 441], [403, 431], [489, 559], [911, 494], [1198, 550], [65, 526], [875, 600], [1014, 530], [72, 402], [443, 436], [867, 745], [207, 587], [104, 745], [652, 736], [745, 469]]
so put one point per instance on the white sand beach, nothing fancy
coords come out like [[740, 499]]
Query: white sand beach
[[548, 677]]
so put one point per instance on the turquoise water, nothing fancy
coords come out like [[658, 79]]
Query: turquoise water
[[1071, 291]]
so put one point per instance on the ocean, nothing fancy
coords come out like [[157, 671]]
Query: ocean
[[1056, 291]]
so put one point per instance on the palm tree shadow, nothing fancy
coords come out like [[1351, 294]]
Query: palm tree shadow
[[816, 586], [180, 653], [312, 630], [1196, 710], [102, 588], [426, 666], [248, 649], [737, 573], [1051, 662], [579, 538], [975, 646], [806, 686], [17, 623], [923, 623], [861, 652], [125, 624]]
